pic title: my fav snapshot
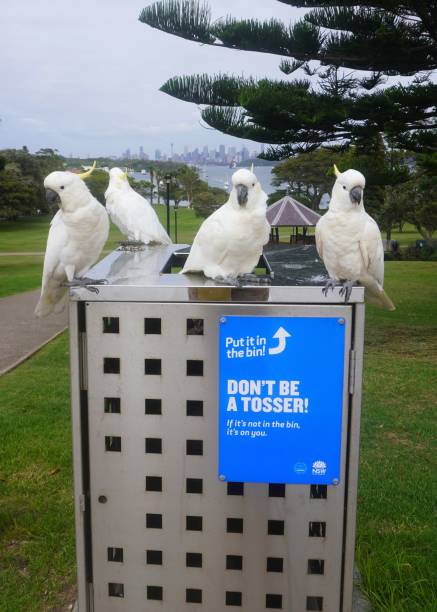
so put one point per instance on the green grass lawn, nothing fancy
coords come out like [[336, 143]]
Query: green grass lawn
[[396, 539], [30, 235], [20, 273], [37, 568], [23, 273], [397, 535]]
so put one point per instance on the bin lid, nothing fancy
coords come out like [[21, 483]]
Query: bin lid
[[152, 274]]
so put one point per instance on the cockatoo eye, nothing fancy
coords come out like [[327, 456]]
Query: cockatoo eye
[[344, 186], [62, 187]]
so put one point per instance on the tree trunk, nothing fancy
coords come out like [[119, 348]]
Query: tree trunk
[[388, 233]]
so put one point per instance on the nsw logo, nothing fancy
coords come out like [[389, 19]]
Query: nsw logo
[[319, 468], [300, 467]]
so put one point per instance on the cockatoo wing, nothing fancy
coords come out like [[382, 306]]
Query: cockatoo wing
[[319, 239], [53, 272], [372, 250], [117, 212], [209, 245], [143, 220]]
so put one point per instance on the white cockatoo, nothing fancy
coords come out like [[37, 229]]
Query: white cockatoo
[[76, 238], [349, 241], [131, 213], [229, 242]]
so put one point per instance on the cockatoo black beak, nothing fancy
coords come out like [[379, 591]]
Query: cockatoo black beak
[[355, 195], [241, 194], [52, 197]]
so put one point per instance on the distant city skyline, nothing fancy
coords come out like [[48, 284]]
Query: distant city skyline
[[203, 154]]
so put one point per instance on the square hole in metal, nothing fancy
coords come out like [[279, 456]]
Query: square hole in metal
[[314, 603], [234, 562], [112, 405], [193, 595], [154, 557], [115, 589], [316, 566], [154, 445], [153, 406], [111, 325], [153, 521], [152, 367], [194, 523], [153, 483], [317, 529], [113, 444], [194, 327], [193, 559], [274, 601], [111, 365], [234, 525], [115, 554], [194, 447], [275, 527], [194, 485], [235, 488], [318, 491], [276, 490], [152, 326], [275, 564], [194, 408], [233, 598], [194, 367], [154, 592]]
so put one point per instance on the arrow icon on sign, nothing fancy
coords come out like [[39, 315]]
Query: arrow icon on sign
[[281, 334]]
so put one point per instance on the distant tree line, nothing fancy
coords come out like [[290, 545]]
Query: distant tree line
[[21, 181], [22, 176]]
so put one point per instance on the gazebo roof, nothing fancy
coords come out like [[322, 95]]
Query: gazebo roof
[[288, 211]]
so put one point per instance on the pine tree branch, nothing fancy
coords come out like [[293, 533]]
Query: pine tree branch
[[185, 18], [221, 90]]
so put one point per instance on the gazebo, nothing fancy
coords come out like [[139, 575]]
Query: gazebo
[[288, 212]]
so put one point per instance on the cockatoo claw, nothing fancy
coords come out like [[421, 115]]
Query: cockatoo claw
[[131, 245], [86, 283], [253, 279], [331, 284], [346, 290], [229, 281]]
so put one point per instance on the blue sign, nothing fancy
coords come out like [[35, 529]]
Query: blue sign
[[281, 399]]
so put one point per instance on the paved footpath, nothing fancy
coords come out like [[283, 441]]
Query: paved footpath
[[21, 333]]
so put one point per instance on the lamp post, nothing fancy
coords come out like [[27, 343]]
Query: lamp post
[[176, 206], [168, 181]]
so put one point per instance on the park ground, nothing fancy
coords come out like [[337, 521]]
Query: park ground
[[396, 538]]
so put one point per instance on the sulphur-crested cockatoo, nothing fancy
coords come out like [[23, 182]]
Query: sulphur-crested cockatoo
[[76, 237], [349, 241], [132, 213], [230, 241]]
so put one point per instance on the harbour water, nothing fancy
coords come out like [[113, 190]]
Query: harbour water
[[220, 176]]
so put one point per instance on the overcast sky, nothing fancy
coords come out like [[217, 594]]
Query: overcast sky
[[83, 76]]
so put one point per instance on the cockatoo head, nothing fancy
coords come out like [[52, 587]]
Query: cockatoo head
[[246, 190], [347, 192], [118, 179], [67, 189]]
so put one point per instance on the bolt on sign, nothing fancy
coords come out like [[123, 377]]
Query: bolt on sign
[[281, 383]]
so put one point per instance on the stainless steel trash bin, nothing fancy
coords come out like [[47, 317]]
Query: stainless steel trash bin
[[155, 527]]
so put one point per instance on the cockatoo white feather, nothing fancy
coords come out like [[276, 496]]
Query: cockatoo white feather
[[349, 241], [132, 213], [229, 242], [76, 238]]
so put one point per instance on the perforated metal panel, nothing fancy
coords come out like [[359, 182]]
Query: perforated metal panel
[[156, 529]]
